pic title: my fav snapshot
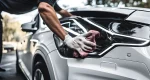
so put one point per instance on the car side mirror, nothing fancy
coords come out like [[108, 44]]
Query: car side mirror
[[29, 27]]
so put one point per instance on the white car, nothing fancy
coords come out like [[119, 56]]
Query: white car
[[9, 46], [124, 52]]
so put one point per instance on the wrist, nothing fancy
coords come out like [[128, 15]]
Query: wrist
[[67, 38]]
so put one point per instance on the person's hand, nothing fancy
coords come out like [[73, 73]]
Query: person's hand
[[79, 44]]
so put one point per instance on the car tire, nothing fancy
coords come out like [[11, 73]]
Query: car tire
[[12, 49], [40, 71], [18, 70]]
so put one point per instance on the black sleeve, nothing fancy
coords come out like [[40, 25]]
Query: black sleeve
[[57, 7], [51, 2]]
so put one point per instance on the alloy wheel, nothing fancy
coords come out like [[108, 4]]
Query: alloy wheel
[[38, 75]]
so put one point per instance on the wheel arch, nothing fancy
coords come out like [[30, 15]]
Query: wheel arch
[[41, 55]]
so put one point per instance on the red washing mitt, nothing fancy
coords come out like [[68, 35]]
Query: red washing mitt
[[94, 34]]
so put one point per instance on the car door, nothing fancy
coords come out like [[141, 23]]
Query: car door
[[25, 55], [111, 62], [27, 45]]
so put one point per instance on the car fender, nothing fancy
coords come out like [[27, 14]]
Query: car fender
[[43, 52]]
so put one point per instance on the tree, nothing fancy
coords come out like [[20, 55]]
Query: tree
[[127, 3], [9, 28], [148, 4], [89, 2]]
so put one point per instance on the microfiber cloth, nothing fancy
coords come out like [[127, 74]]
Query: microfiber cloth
[[94, 34]]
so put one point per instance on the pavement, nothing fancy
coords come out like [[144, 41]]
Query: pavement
[[9, 64]]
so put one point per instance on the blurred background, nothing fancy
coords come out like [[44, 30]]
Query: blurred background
[[105, 3], [12, 33], [11, 22]]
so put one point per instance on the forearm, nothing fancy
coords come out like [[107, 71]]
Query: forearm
[[49, 17], [64, 13]]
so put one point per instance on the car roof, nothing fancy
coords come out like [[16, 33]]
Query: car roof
[[102, 9], [125, 10], [136, 8]]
